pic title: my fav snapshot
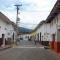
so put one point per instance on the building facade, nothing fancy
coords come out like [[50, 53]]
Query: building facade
[[48, 31], [7, 31]]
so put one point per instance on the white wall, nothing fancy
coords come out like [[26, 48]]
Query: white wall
[[40, 29], [54, 26], [7, 29], [58, 27], [45, 31], [2, 28], [10, 30]]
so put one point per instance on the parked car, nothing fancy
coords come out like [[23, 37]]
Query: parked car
[[21, 38]]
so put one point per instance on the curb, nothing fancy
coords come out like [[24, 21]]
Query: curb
[[46, 47], [2, 49]]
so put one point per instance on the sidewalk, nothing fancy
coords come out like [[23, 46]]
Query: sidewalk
[[5, 47], [57, 55], [28, 45]]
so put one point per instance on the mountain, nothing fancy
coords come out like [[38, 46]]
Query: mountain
[[24, 30]]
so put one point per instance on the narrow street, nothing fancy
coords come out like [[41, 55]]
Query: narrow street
[[30, 30], [33, 52]]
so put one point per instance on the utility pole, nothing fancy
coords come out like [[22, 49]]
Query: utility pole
[[17, 19]]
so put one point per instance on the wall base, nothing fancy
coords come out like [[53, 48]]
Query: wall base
[[55, 46], [51, 44]]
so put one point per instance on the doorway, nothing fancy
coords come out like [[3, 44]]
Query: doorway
[[40, 36], [53, 40]]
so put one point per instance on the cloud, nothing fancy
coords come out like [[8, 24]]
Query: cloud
[[11, 15], [31, 11], [31, 19], [39, 5]]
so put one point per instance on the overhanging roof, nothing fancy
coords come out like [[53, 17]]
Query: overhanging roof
[[39, 25], [54, 12], [4, 18], [7, 20]]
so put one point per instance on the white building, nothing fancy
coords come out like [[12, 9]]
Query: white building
[[54, 20], [7, 30], [24, 36], [48, 31], [42, 32]]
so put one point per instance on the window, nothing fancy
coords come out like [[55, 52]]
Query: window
[[0, 27], [52, 23], [8, 33], [55, 19], [5, 28]]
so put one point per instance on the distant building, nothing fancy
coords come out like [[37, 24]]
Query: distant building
[[24, 33]]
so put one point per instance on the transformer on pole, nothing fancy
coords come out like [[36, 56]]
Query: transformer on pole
[[17, 18]]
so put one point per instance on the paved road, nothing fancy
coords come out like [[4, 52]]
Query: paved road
[[27, 51], [26, 54], [26, 42]]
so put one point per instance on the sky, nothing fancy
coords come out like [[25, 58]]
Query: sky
[[31, 11]]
